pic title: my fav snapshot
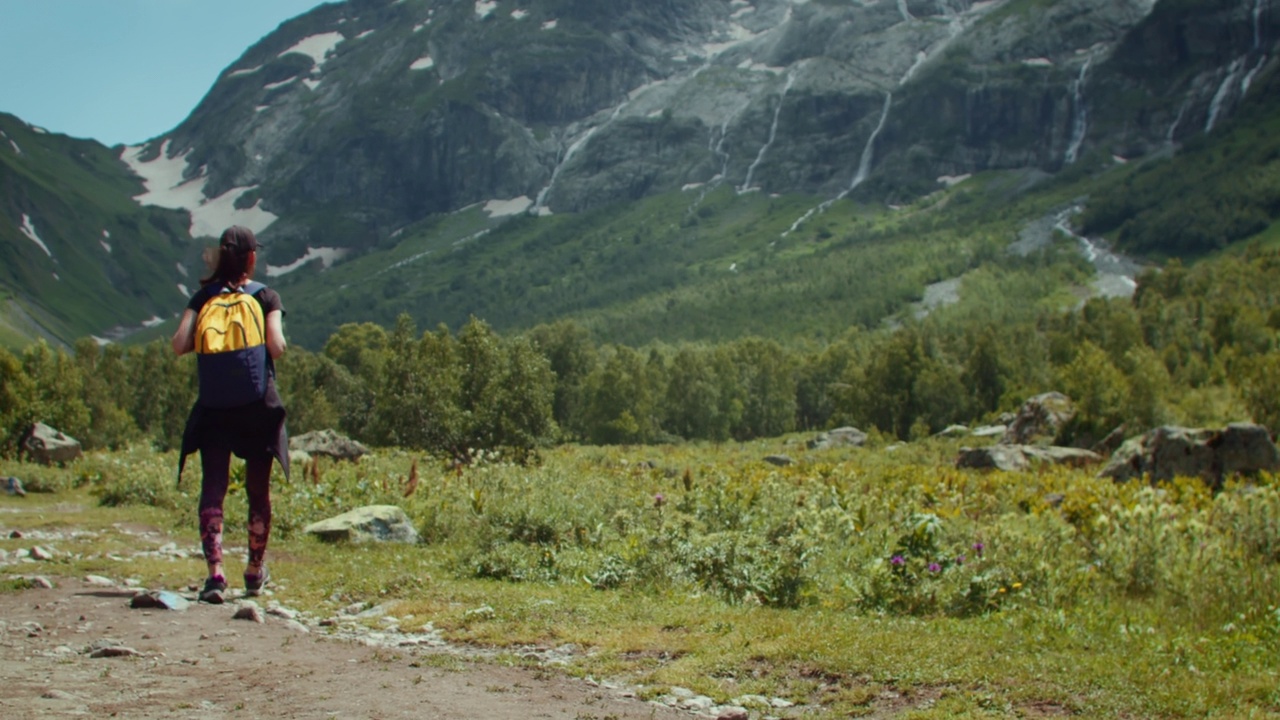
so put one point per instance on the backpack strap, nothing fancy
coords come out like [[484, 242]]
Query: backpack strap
[[253, 287]]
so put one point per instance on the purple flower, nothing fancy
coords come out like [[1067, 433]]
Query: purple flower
[[959, 559], [659, 500], [977, 547], [935, 567], [897, 560]]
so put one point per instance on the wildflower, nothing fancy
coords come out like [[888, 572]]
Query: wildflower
[[935, 567], [978, 547], [897, 560], [659, 500], [1017, 585], [959, 559]]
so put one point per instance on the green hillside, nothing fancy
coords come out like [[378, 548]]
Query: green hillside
[[108, 263]]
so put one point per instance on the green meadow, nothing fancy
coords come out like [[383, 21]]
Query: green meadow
[[857, 581]]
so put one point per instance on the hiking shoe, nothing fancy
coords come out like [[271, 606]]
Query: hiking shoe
[[214, 591], [253, 584]]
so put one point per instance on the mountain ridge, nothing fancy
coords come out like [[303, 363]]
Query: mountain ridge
[[343, 133]]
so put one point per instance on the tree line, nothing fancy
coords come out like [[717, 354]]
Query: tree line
[[1195, 345]]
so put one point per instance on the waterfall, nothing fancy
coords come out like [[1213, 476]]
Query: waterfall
[[906, 12], [1257, 24], [921, 57], [1080, 126], [1220, 97], [1249, 76], [773, 133], [864, 169], [539, 205], [868, 152], [1173, 129]]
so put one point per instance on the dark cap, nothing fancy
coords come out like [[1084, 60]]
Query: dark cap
[[240, 239]]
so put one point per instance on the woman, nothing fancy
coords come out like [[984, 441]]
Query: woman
[[254, 432]]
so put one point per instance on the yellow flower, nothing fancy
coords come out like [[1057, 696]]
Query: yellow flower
[[1017, 585]]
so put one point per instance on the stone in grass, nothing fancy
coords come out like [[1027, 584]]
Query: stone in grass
[[159, 600], [113, 651], [779, 460], [249, 610], [378, 523]]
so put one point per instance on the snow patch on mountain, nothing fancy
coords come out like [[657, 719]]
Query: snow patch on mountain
[[317, 47], [423, 63], [503, 208], [485, 9], [29, 230], [326, 255], [166, 187]]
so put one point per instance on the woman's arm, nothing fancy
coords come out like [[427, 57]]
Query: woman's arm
[[275, 334], [184, 339]]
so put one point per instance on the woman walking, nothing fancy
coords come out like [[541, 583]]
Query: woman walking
[[235, 326]]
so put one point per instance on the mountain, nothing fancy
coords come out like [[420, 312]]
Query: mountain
[[80, 255], [453, 157]]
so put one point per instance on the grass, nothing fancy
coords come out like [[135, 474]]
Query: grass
[[1120, 601]]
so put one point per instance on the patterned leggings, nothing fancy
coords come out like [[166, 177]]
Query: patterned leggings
[[215, 463]]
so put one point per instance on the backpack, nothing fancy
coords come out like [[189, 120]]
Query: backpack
[[231, 348]]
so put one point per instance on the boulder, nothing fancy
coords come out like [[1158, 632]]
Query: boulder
[[1039, 420], [1012, 458], [840, 437], [1212, 455], [999, 457], [987, 431], [48, 446], [954, 431], [372, 523], [327, 443], [779, 460]]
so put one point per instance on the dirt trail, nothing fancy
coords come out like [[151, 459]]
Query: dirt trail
[[201, 662]]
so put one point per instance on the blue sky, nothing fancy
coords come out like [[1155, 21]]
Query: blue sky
[[123, 71]]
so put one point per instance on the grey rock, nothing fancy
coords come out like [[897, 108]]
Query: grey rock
[[840, 437], [114, 651], [249, 610], [1212, 455], [58, 695], [327, 443], [1040, 420], [987, 431], [1014, 458], [40, 553], [954, 431], [779, 460], [380, 523], [159, 600], [733, 713], [99, 581], [48, 446]]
